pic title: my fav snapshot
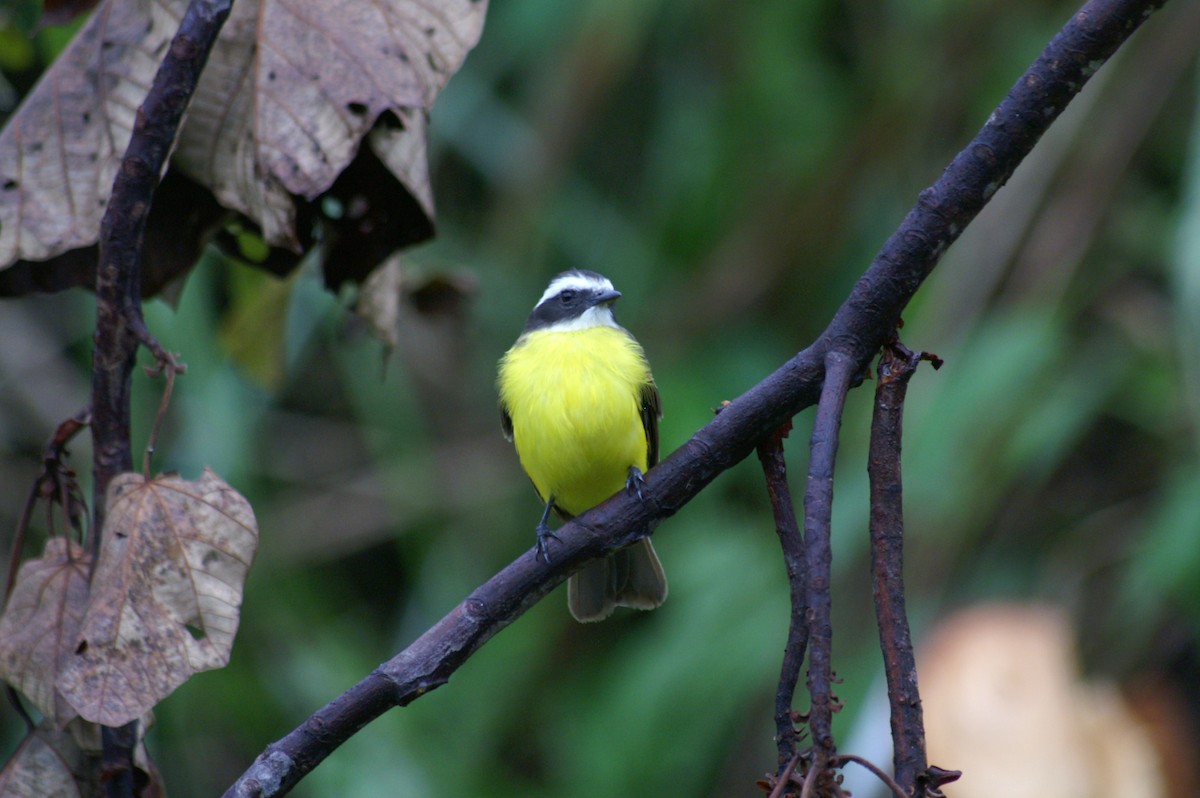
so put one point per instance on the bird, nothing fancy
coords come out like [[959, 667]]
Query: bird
[[580, 405]]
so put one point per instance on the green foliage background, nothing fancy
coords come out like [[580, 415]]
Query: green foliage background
[[733, 168]]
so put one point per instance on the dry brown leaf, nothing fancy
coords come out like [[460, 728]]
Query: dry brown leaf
[[59, 152], [217, 146], [41, 624], [403, 150], [379, 300], [291, 89], [293, 86], [427, 312], [45, 766], [183, 219], [166, 593]]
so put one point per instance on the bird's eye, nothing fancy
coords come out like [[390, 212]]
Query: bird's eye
[[567, 296]]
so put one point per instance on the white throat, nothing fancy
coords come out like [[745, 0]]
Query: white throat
[[596, 316]]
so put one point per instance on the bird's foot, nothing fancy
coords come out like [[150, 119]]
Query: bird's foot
[[635, 481], [544, 535]]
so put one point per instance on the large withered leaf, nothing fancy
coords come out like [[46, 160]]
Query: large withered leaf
[[218, 147], [166, 593], [294, 85], [290, 91], [182, 220], [41, 624], [59, 152]]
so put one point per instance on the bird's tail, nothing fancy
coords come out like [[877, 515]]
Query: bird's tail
[[632, 577]]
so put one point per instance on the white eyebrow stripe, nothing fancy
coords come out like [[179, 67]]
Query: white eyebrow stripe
[[577, 281]]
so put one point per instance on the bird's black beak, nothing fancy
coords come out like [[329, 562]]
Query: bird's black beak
[[606, 297]]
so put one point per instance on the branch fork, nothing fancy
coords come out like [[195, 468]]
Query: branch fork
[[810, 578]]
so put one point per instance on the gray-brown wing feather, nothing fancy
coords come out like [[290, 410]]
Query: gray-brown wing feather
[[506, 423], [651, 406]]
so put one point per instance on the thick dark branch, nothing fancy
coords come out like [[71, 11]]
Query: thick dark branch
[[943, 211], [818, 553], [867, 319], [896, 366], [284, 763], [426, 664], [119, 325], [770, 452], [860, 327]]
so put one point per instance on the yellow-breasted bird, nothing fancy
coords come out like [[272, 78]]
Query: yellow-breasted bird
[[578, 401]]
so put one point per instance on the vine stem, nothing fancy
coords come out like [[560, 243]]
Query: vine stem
[[896, 367], [770, 453], [818, 514]]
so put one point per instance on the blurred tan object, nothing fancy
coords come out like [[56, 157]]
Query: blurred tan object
[[1005, 704]]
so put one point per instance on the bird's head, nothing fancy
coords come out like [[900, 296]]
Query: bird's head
[[575, 300]]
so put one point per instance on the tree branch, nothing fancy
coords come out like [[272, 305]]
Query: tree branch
[[860, 327], [770, 452], [818, 515], [896, 367], [119, 325]]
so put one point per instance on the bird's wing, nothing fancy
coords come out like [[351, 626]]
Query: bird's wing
[[651, 405], [506, 423]]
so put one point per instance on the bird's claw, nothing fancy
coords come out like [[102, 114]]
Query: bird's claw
[[544, 535], [635, 481]]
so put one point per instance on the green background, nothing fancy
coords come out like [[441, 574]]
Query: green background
[[733, 168]]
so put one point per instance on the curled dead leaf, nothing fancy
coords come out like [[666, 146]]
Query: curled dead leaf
[[266, 126], [41, 623], [269, 134], [379, 300], [166, 593]]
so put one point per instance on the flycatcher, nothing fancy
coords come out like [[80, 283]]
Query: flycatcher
[[578, 401]]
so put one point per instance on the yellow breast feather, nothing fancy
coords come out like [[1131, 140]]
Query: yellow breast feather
[[579, 426]]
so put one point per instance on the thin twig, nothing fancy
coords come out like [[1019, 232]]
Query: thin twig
[[169, 365], [18, 544], [888, 781], [162, 358], [784, 776], [770, 453], [54, 481], [818, 513], [810, 782]]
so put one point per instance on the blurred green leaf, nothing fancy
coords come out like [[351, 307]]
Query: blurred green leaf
[[252, 328]]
